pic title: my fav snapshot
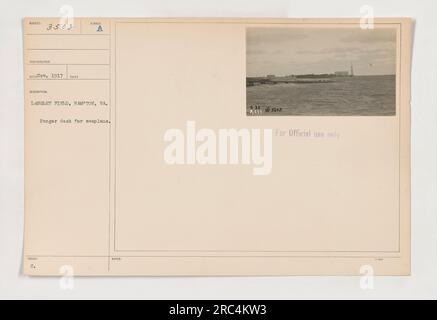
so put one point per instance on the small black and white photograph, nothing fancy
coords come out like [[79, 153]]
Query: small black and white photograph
[[321, 71]]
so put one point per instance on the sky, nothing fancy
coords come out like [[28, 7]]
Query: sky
[[285, 51]]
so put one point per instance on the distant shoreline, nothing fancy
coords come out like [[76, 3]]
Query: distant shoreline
[[325, 74], [303, 79]]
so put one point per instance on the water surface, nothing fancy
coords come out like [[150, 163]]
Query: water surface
[[349, 96]]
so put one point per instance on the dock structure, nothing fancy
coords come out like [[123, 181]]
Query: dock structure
[[271, 80]]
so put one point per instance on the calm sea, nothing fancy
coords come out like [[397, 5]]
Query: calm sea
[[349, 96]]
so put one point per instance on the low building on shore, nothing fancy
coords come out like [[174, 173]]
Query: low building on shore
[[342, 73]]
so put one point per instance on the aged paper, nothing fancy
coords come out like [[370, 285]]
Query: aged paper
[[217, 146]]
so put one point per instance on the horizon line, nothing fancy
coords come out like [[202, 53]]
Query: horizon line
[[315, 74]]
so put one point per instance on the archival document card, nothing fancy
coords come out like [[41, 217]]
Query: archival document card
[[211, 147]]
